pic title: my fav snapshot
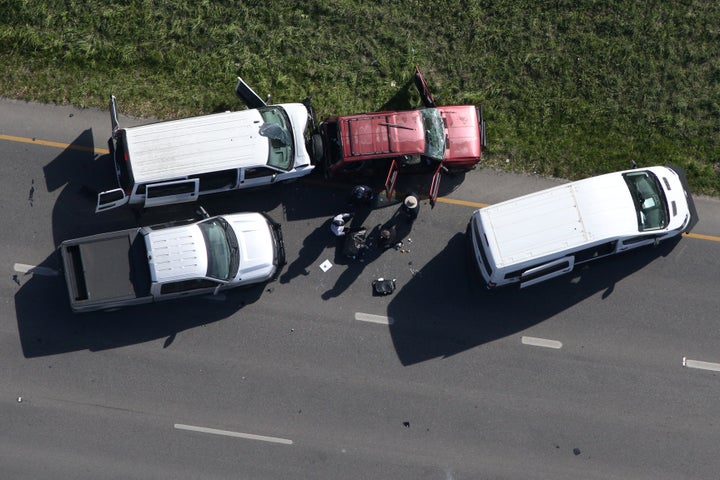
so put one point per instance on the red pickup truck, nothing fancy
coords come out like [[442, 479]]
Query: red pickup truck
[[434, 138]]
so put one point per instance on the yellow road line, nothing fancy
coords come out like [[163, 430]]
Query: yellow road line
[[700, 236], [101, 151], [47, 143], [462, 202]]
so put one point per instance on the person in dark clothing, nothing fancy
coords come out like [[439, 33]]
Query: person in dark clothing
[[411, 206], [387, 236]]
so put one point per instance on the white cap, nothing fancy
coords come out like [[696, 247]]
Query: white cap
[[410, 201]]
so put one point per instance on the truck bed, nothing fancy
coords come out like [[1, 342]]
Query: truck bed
[[105, 269]]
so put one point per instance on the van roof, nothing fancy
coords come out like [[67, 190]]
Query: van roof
[[196, 145], [559, 218]]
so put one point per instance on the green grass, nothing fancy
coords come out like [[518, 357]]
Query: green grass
[[570, 88]]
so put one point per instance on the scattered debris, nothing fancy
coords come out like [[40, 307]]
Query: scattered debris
[[576, 451], [326, 265]]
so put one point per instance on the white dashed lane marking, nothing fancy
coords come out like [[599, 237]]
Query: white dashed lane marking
[[228, 433], [370, 318], [715, 367], [541, 342]]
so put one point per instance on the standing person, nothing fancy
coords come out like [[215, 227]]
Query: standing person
[[411, 206], [339, 224]]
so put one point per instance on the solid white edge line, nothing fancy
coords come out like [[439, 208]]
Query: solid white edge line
[[715, 367], [541, 342], [228, 433], [369, 317]]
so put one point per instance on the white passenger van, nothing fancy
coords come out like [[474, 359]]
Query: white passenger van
[[542, 235], [177, 161]]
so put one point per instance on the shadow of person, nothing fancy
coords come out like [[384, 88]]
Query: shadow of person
[[444, 310], [313, 245], [355, 266]]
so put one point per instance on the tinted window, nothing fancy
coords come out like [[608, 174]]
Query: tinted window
[[187, 285], [258, 172], [595, 252], [218, 180], [154, 191], [222, 248]]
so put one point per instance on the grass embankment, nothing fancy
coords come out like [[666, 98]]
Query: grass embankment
[[569, 88]]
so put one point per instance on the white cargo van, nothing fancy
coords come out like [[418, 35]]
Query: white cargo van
[[542, 235], [177, 161]]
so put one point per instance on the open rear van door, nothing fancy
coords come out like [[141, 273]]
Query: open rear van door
[[110, 199], [178, 191], [391, 179], [421, 84], [248, 95], [435, 184]]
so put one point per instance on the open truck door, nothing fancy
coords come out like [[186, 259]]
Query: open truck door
[[114, 124], [435, 184], [248, 95], [110, 199], [391, 179], [421, 84]]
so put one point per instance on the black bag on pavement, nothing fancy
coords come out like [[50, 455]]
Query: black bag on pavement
[[383, 286]]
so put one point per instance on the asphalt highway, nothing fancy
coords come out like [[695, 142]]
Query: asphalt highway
[[608, 373]]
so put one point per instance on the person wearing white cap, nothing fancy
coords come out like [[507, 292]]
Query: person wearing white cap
[[411, 206], [339, 224]]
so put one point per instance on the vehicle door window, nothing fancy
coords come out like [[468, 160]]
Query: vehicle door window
[[178, 188], [187, 285], [596, 251], [223, 180], [258, 172]]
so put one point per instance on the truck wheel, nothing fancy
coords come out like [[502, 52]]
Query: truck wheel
[[316, 149]]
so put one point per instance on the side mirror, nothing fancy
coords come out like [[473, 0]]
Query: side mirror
[[202, 213]]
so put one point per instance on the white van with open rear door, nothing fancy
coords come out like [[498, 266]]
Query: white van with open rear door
[[177, 161], [542, 235]]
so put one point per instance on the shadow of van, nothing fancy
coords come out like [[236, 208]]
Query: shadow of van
[[46, 324], [438, 319]]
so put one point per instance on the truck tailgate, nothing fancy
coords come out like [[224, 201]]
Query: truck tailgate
[[104, 269]]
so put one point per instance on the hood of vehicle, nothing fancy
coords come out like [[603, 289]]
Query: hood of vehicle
[[256, 244], [382, 134], [463, 133], [298, 114], [176, 253]]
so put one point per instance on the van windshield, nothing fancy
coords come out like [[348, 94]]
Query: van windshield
[[276, 128], [222, 248], [649, 199]]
